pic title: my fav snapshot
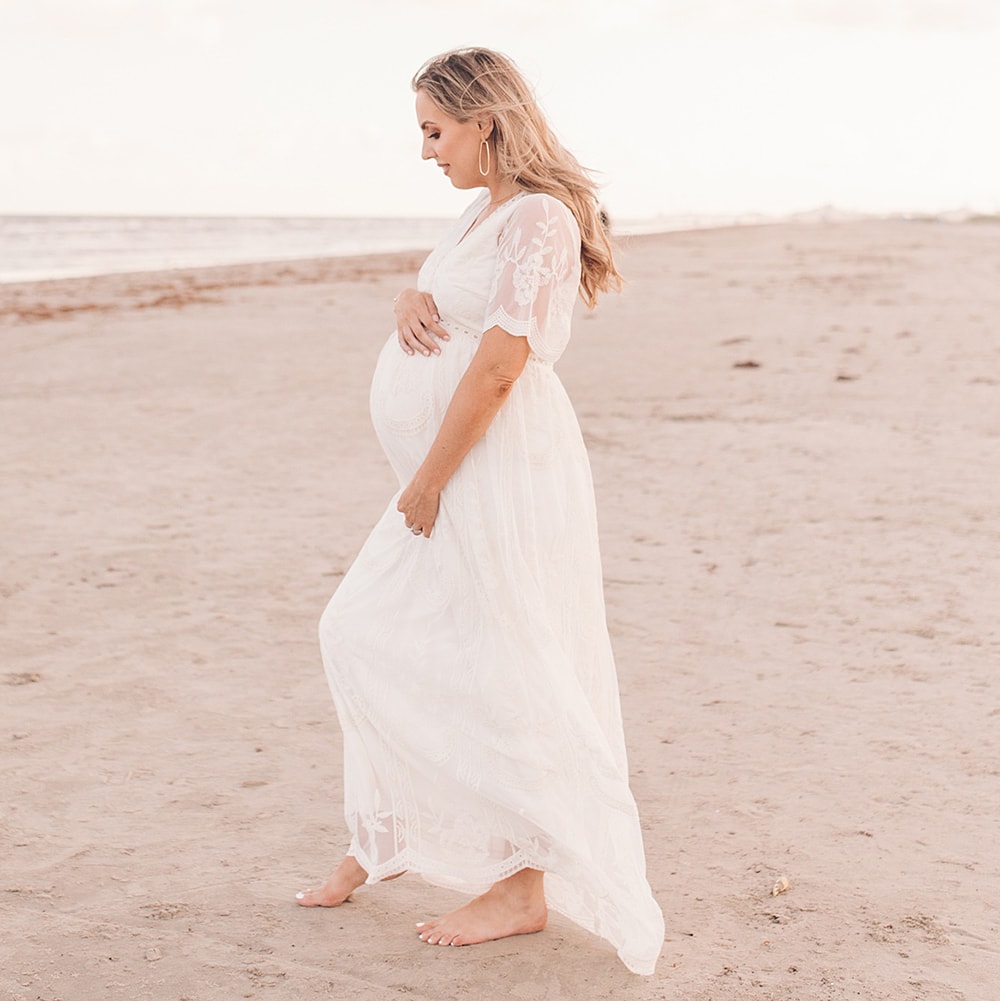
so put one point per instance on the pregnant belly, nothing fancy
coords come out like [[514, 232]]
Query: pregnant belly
[[409, 397]]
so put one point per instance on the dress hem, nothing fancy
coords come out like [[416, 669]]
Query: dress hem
[[406, 862]]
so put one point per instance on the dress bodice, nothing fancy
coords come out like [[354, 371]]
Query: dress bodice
[[519, 269]]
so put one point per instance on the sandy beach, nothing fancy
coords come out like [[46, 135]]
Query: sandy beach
[[795, 437]]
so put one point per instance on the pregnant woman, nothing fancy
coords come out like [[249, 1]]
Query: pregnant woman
[[467, 648]]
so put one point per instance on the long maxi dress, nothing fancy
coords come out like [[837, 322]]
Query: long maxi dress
[[472, 671]]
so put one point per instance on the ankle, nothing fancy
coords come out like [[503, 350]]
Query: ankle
[[525, 886]]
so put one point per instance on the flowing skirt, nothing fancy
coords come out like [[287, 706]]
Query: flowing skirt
[[472, 671]]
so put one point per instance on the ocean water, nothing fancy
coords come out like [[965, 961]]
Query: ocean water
[[34, 248], [37, 247]]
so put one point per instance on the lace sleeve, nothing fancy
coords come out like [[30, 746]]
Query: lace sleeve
[[537, 275]]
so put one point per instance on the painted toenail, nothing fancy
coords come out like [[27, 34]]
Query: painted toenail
[[300, 896], [420, 924]]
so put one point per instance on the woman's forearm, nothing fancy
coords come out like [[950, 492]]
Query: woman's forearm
[[481, 392]]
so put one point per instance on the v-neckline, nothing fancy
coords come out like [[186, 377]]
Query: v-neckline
[[473, 226]]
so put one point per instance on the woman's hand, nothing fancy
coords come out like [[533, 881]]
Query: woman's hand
[[418, 326], [418, 504]]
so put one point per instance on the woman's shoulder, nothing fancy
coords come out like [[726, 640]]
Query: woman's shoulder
[[537, 207], [540, 202]]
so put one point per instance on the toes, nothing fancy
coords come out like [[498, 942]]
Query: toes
[[320, 897], [432, 933], [436, 938], [425, 929]]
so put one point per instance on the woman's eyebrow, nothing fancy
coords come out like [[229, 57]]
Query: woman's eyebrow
[[424, 125]]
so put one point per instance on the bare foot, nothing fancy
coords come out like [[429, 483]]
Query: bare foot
[[344, 880], [514, 906]]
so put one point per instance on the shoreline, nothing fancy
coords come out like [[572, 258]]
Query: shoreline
[[50, 298], [332, 267]]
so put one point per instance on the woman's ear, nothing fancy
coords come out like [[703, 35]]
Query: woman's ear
[[485, 127]]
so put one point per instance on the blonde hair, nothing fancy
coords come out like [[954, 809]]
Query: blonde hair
[[472, 83]]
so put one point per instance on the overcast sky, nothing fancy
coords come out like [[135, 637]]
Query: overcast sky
[[303, 107]]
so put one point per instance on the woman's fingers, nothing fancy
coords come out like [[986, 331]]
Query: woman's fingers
[[422, 522], [419, 509], [418, 337], [418, 325], [424, 530], [407, 340], [432, 321]]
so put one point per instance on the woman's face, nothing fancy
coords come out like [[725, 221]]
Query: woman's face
[[453, 144]]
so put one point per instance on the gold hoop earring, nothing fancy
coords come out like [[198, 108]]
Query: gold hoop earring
[[482, 171]]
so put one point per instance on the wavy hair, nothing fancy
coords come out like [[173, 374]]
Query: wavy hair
[[473, 83]]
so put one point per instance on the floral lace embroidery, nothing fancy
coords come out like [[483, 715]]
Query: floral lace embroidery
[[536, 275]]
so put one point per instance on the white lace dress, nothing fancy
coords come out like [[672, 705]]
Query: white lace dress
[[472, 672]]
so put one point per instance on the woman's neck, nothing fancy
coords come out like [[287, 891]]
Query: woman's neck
[[501, 190]]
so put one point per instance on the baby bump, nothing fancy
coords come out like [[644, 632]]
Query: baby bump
[[409, 397], [402, 393]]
